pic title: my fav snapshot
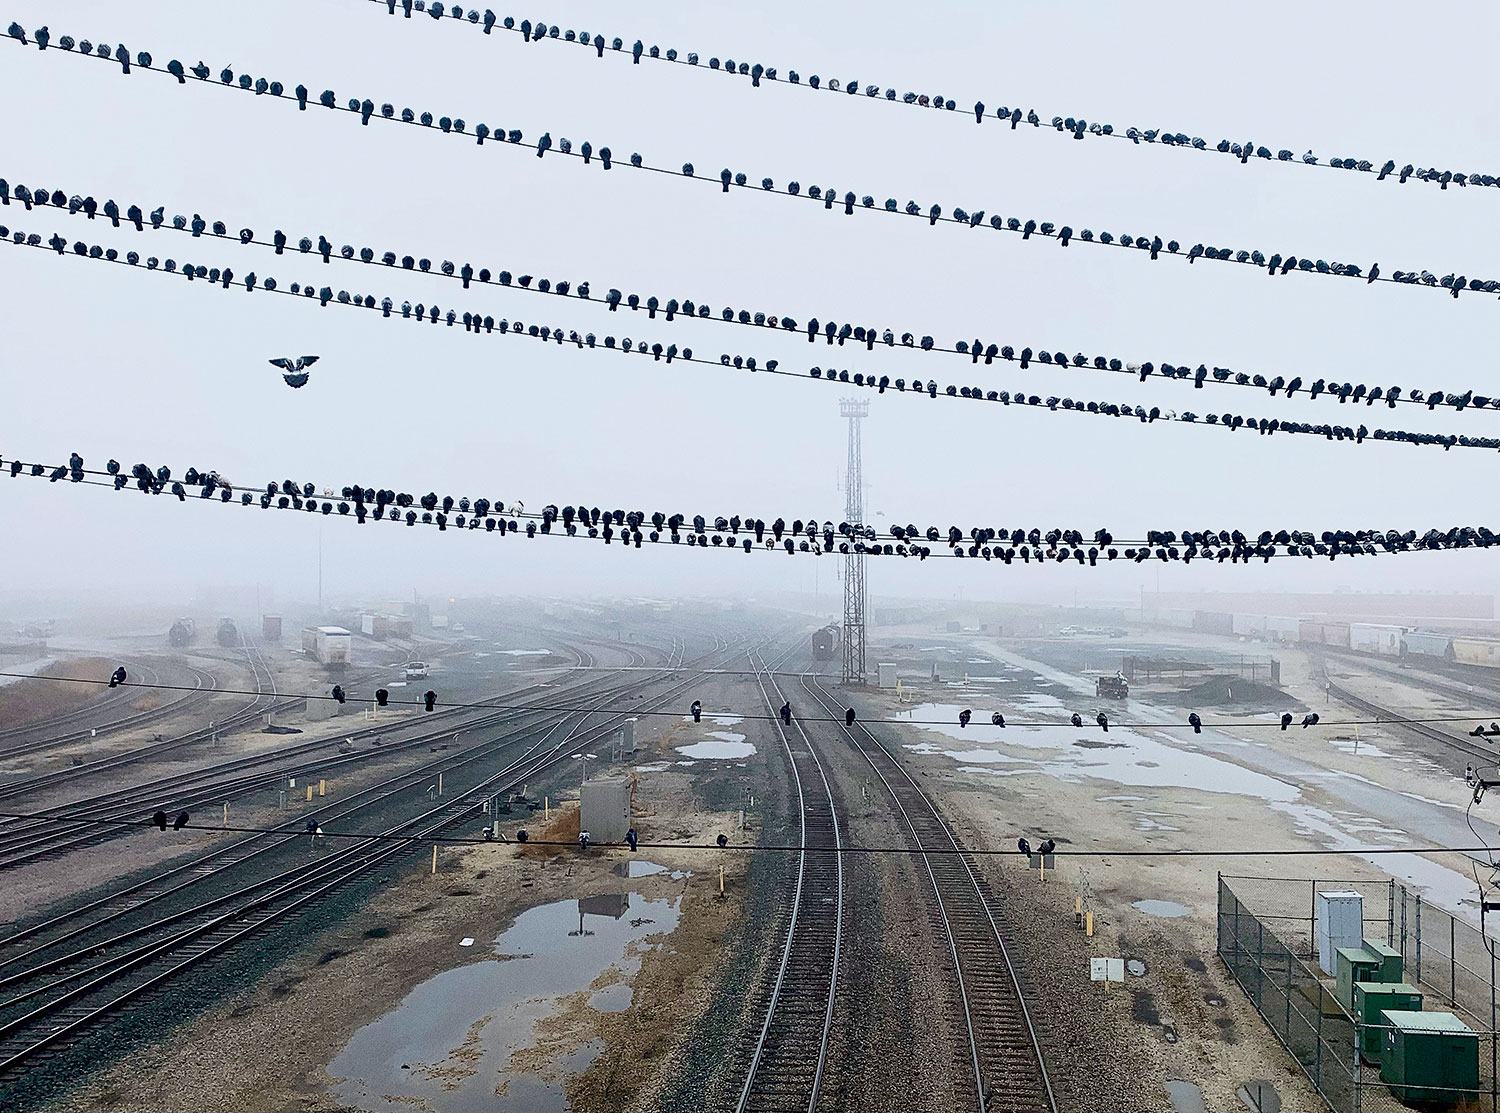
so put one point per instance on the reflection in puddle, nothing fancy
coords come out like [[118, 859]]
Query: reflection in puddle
[[448, 1046], [1165, 908], [1185, 1097], [639, 867]]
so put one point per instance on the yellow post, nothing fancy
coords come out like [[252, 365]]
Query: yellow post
[[721, 879], [546, 809], [309, 793], [226, 813], [440, 782], [1042, 866], [1088, 924], [322, 787], [434, 857]]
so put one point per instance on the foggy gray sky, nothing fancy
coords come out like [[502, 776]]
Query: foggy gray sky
[[114, 363]]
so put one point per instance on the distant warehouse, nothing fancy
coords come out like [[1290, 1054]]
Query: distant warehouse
[[328, 645]]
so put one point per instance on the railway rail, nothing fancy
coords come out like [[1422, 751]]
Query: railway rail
[[28, 840], [53, 999], [998, 1044], [788, 1061]]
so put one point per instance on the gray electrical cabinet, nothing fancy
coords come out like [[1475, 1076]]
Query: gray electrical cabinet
[[604, 809]]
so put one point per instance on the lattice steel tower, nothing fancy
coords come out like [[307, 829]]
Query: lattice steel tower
[[854, 563]]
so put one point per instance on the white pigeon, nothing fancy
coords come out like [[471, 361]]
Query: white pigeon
[[293, 371]]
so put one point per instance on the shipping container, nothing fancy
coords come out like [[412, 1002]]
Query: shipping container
[[1213, 622], [1336, 633], [1249, 625], [439, 622], [270, 627], [1423, 643], [329, 645], [1181, 620], [1370, 637], [1477, 651], [400, 626], [1309, 633]]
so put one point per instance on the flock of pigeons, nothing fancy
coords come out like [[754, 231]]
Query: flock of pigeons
[[474, 323], [635, 527], [365, 109], [1077, 128], [831, 332]]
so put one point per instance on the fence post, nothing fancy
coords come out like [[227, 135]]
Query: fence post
[[1260, 961], [1390, 912], [1419, 940], [1312, 922], [1494, 1076], [1403, 925], [1219, 914], [1318, 1044], [1452, 959]]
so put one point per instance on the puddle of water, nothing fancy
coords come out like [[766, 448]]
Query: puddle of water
[[718, 718], [654, 767], [612, 998], [1136, 759], [1185, 1097], [447, 1046], [1135, 967], [1260, 1096], [727, 746], [526, 652], [638, 867], [1168, 909]]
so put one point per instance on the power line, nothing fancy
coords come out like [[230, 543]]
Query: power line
[[1236, 549], [1077, 129], [830, 331], [751, 848], [1025, 228], [475, 324], [355, 697]]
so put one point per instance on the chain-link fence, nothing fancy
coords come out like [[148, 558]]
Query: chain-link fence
[[1267, 937]]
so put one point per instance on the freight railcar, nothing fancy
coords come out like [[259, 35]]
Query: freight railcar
[[825, 641], [1421, 643], [229, 634], [1378, 638], [182, 633], [1484, 652]]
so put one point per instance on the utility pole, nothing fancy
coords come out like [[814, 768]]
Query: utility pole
[[854, 563]]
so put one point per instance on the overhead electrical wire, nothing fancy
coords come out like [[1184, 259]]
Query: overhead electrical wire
[[317, 831], [476, 324], [1026, 228], [670, 309], [748, 535], [1075, 128], [349, 695]]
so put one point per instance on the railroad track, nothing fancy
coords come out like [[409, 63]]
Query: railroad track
[[1425, 679], [24, 841], [52, 1003], [108, 700], [998, 1045], [789, 1056], [1426, 730]]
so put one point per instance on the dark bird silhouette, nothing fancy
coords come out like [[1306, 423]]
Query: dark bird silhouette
[[382, 697], [1024, 846], [1286, 720], [1103, 720], [964, 716], [1310, 719], [1195, 722], [723, 841], [1047, 847], [997, 718], [117, 678], [1077, 719], [159, 818], [429, 699], [294, 370], [631, 838], [338, 693], [786, 714], [849, 717], [180, 822], [697, 711]]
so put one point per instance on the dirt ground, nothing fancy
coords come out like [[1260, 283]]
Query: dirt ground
[[26, 701], [268, 1049]]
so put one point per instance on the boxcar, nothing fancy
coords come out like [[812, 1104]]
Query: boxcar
[[1377, 638], [1336, 634], [1249, 625], [1310, 633], [1423, 643], [1283, 629], [1477, 651], [825, 641], [1213, 622]]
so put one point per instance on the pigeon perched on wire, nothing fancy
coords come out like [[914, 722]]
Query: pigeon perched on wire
[[294, 371]]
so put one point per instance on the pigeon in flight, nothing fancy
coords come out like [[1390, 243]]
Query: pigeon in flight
[[295, 371]]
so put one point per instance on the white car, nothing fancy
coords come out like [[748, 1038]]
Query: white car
[[416, 670]]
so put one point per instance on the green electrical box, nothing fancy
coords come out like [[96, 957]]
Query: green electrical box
[[1354, 964], [1373, 998], [1429, 1057], [1391, 965]]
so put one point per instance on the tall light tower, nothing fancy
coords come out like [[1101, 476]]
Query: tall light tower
[[854, 563]]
